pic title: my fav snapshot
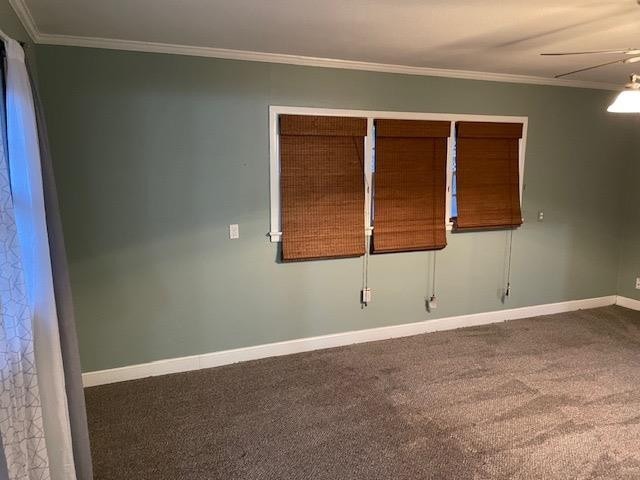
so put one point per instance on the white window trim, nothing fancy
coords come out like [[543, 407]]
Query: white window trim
[[274, 155]]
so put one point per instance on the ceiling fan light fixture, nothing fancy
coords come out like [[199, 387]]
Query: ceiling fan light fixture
[[628, 101]]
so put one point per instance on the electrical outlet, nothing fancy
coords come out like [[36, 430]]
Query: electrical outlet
[[638, 283], [234, 231], [540, 216]]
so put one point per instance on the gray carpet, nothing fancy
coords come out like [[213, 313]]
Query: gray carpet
[[554, 397]]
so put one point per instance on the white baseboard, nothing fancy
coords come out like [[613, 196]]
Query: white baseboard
[[225, 357], [629, 303]]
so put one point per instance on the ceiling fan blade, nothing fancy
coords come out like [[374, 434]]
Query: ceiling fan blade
[[631, 60], [620, 60], [627, 51]]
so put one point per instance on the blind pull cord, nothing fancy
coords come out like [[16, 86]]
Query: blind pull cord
[[432, 301], [366, 291], [507, 290]]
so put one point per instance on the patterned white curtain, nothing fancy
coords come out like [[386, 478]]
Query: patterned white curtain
[[21, 423], [39, 401]]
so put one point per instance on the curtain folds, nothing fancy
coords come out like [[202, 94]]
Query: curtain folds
[[64, 304], [21, 424], [26, 178]]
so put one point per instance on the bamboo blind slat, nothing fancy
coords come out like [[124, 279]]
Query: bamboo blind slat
[[488, 175], [321, 125], [488, 130], [410, 185], [412, 128], [322, 187]]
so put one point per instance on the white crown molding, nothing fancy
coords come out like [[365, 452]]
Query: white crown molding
[[226, 357], [27, 20], [137, 46]]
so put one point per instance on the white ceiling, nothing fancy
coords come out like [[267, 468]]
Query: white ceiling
[[500, 36]]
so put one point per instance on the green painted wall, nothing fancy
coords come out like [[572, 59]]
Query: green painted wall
[[156, 154], [630, 221], [10, 24]]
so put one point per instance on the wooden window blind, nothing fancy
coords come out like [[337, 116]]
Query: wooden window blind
[[322, 186], [410, 185], [488, 175]]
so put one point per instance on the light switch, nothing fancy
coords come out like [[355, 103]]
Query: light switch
[[234, 231]]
